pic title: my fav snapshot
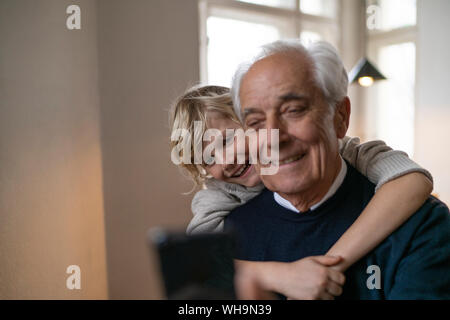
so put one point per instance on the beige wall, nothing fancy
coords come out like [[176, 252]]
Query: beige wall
[[52, 186], [432, 146], [51, 203], [148, 55]]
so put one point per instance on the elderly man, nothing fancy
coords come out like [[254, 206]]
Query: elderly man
[[315, 195]]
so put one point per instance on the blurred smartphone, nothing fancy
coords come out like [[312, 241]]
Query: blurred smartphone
[[195, 267]]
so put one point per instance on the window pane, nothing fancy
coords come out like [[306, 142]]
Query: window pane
[[389, 14], [326, 8], [313, 31], [230, 42], [395, 96], [307, 37], [287, 4]]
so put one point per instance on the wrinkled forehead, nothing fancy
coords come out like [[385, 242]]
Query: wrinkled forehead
[[278, 72]]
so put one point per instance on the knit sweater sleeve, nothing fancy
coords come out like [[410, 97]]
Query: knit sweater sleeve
[[210, 206], [377, 161]]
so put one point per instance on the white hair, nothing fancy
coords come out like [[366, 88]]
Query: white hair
[[329, 71]]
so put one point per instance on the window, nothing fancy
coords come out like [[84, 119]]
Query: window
[[396, 97], [308, 37], [288, 4], [394, 14], [231, 31], [392, 46], [232, 42], [327, 8]]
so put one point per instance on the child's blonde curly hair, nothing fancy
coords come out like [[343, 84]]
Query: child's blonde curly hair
[[190, 107]]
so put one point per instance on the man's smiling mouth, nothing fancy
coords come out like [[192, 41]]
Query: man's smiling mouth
[[291, 159]]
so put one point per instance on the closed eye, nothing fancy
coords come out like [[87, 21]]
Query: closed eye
[[295, 110], [209, 161], [228, 140], [252, 123], [255, 123]]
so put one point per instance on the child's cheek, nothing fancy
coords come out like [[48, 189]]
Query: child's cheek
[[216, 171]]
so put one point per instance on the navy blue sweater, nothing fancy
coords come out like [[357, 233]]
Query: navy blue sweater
[[414, 261]]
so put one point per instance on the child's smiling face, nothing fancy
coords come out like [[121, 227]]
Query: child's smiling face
[[243, 174]]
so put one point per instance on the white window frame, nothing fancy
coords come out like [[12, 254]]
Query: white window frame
[[376, 39], [289, 21]]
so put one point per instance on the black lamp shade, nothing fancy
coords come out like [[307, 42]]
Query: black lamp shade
[[364, 69]]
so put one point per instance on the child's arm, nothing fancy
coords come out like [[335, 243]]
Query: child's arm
[[305, 279], [402, 187]]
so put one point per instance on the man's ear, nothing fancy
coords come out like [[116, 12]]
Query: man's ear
[[342, 117]]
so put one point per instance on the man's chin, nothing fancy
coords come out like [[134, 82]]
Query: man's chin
[[280, 186]]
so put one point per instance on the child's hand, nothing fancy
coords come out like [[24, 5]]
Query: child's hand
[[310, 278], [305, 279]]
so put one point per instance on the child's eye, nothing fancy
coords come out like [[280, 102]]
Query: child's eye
[[228, 140], [253, 123], [209, 161]]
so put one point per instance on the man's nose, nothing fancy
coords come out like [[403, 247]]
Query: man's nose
[[275, 123]]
